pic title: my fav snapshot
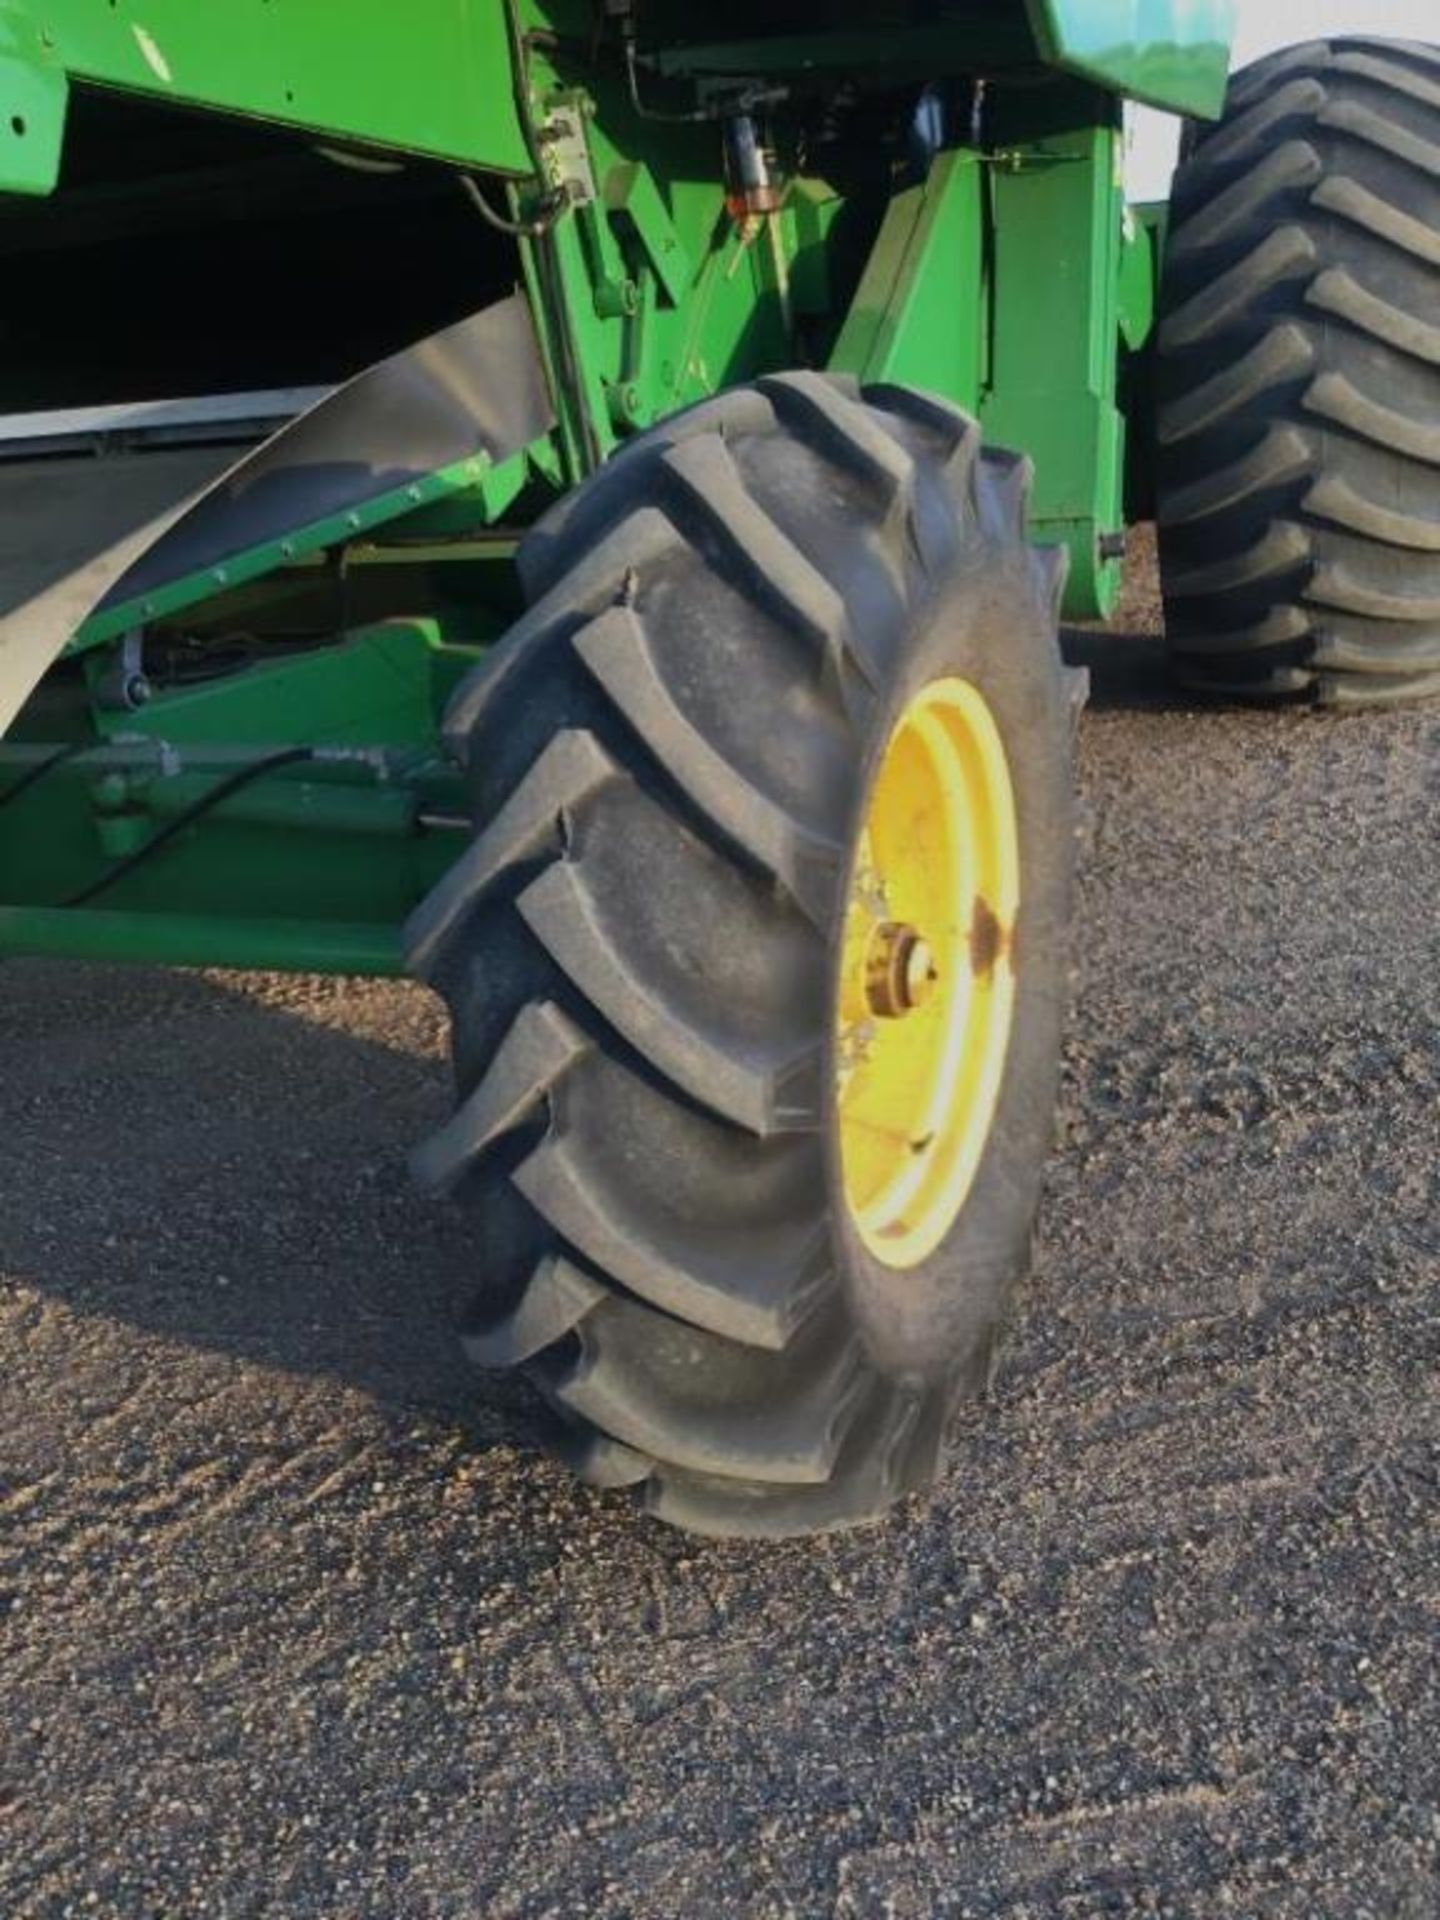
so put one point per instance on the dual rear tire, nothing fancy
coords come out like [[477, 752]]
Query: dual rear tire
[[1298, 366]]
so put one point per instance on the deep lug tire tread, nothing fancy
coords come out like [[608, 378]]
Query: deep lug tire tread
[[635, 949], [1298, 362]]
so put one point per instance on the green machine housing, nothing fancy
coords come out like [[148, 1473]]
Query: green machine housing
[[311, 311]]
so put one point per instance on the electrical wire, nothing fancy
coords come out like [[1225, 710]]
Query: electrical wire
[[358, 162], [41, 767], [552, 206], [232, 782]]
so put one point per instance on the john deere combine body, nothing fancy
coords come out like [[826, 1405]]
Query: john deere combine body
[[220, 214], [480, 484]]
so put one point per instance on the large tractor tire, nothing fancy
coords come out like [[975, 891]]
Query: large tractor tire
[[756, 966], [1299, 382]]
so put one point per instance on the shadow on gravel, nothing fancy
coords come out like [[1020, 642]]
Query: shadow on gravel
[[226, 1169], [1126, 658], [1163, 1642], [1127, 671]]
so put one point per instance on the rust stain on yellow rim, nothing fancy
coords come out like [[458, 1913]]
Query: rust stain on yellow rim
[[927, 980]]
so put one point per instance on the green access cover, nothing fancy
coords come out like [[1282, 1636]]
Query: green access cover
[[430, 76], [1173, 53]]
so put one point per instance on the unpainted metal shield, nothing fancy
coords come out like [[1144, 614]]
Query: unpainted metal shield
[[81, 534]]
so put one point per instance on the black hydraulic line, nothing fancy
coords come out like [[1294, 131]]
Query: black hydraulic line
[[695, 115], [241, 777], [34, 774], [553, 205], [547, 273]]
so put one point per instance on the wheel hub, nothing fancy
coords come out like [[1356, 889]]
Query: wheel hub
[[900, 970]]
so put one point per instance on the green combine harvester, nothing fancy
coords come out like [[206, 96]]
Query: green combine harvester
[[573, 502]]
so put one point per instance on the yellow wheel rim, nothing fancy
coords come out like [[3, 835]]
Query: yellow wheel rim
[[927, 976]]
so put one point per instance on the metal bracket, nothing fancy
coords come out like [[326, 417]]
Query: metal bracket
[[565, 149], [123, 686]]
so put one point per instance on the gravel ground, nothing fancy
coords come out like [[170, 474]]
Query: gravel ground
[[290, 1625]]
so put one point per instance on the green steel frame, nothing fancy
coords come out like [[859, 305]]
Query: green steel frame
[[294, 809]]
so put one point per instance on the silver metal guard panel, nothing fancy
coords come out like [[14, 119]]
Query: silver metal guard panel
[[79, 533]]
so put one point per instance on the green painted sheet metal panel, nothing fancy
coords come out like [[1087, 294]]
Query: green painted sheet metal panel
[[1173, 53], [125, 826], [1004, 284], [1057, 211], [33, 98], [473, 479], [429, 76], [916, 315], [195, 940]]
